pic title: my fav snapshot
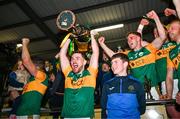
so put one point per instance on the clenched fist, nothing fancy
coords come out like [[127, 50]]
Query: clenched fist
[[152, 15], [169, 12], [25, 41], [101, 40]]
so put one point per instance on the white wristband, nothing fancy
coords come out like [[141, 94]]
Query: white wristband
[[140, 26]]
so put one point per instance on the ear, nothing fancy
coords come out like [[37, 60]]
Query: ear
[[125, 64], [85, 61]]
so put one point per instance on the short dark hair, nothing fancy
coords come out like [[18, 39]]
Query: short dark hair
[[175, 20], [82, 54], [107, 62], [121, 56], [135, 33]]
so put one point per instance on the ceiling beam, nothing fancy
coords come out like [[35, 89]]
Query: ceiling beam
[[76, 11], [89, 8], [16, 25], [22, 4]]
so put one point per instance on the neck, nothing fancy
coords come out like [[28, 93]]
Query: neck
[[122, 74], [137, 48], [81, 71], [178, 40]]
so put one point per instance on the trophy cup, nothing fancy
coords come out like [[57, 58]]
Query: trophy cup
[[79, 35]]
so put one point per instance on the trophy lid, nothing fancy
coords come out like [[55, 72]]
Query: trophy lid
[[65, 20]]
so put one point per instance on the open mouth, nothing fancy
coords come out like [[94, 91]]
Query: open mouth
[[75, 65]]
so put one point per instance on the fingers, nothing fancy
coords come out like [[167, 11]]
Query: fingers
[[101, 40], [93, 32], [152, 15], [169, 12], [25, 41], [144, 22]]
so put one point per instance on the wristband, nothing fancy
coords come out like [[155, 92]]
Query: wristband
[[140, 26]]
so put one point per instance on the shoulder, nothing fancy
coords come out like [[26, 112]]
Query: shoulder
[[110, 81], [150, 47], [134, 80]]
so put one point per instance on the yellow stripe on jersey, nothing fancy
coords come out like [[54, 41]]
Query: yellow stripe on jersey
[[145, 60], [86, 81], [163, 52], [35, 86]]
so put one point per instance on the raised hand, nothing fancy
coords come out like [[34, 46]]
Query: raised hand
[[144, 22], [152, 15], [169, 12], [25, 41], [101, 40], [93, 32]]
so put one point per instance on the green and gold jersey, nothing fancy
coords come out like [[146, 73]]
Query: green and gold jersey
[[174, 59], [161, 60], [142, 64], [79, 93], [32, 95]]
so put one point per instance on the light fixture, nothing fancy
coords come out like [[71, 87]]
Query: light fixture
[[109, 27], [19, 45]]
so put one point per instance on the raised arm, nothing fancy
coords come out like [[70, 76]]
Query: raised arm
[[143, 22], [95, 51], [108, 51], [177, 5], [169, 12], [64, 61], [26, 57], [157, 42]]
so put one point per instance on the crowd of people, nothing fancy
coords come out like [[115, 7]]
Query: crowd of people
[[117, 83]]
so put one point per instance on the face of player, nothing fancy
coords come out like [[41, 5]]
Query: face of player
[[118, 66], [105, 67], [77, 62], [174, 31], [20, 65], [133, 41]]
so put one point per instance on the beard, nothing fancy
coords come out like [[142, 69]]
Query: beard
[[172, 36]]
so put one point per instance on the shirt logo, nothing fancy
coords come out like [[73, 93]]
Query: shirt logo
[[111, 88], [131, 88], [141, 54]]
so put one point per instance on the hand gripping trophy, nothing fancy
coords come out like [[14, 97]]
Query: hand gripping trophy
[[79, 35]]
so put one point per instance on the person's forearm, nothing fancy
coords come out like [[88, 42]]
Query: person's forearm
[[107, 50], [169, 87], [177, 5], [160, 28], [25, 54], [95, 53], [64, 49], [94, 45], [140, 28]]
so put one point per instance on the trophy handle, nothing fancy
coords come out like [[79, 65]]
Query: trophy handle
[[65, 39]]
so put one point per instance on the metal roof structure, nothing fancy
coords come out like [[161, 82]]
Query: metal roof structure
[[36, 19]]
